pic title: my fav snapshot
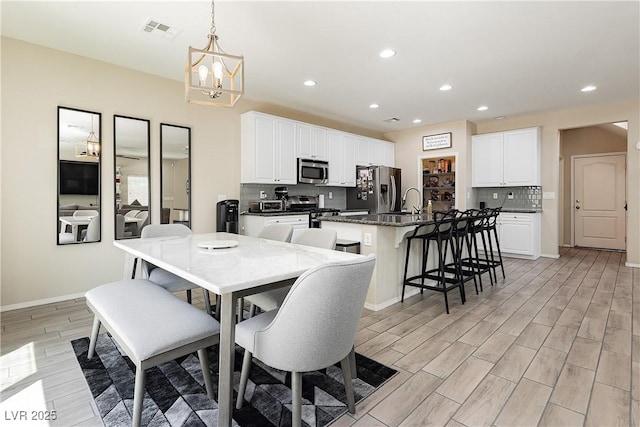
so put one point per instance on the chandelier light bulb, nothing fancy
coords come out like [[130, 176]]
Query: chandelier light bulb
[[203, 71], [218, 73]]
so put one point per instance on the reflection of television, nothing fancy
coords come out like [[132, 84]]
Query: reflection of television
[[79, 178]]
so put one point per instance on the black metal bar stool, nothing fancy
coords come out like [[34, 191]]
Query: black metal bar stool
[[478, 220], [462, 265], [439, 231], [490, 230]]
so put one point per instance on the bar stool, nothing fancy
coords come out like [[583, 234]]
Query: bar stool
[[490, 231], [439, 231], [478, 220], [463, 268]]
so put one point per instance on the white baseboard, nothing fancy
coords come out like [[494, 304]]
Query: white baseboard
[[40, 302], [555, 256], [377, 307], [631, 264]]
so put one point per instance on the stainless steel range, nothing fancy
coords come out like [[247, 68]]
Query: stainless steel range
[[310, 204]]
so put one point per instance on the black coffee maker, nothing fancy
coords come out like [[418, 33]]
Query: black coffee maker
[[227, 216], [282, 193]]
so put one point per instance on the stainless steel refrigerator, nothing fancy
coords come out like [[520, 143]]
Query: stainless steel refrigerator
[[377, 189]]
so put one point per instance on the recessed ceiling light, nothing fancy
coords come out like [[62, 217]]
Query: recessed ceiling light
[[387, 53], [310, 83], [417, 121], [500, 118], [445, 87], [589, 88], [374, 106], [483, 108]]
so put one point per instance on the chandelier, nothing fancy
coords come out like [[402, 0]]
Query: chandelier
[[89, 147], [213, 77]]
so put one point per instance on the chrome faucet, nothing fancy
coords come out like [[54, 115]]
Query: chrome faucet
[[417, 209]]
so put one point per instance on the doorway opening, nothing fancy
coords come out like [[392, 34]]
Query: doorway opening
[[593, 186]]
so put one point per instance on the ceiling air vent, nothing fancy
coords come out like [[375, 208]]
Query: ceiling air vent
[[161, 30], [392, 120]]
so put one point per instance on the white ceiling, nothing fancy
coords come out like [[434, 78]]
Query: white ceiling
[[514, 57]]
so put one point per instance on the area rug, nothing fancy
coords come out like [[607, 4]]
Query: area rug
[[175, 393]]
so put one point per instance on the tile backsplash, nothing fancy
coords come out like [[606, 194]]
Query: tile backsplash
[[252, 192], [529, 197]]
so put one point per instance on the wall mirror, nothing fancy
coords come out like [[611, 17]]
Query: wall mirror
[[175, 169], [79, 143], [131, 159]]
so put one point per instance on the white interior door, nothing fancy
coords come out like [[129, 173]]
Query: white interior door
[[599, 200]]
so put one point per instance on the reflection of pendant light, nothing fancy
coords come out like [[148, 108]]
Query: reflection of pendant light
[[90, 147], [213, 77]]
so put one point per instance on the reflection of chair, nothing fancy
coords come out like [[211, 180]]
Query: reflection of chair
[[314, 328], [316, 237], [120, 227], [163, 278], [143, 221], [92, 233], [65, 238], [83, 213]]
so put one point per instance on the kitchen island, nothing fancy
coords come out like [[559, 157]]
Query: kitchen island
[[385, 236]]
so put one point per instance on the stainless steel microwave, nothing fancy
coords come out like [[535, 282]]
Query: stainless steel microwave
[[313, 171]]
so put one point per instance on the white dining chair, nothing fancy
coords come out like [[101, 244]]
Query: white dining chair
[[166, 279], [92, 233], [316, 237], [279, 232], [313, 329]]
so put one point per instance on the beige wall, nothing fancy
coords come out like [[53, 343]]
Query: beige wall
[[408, 152], [35, 81], [552, 123], [587, 140]]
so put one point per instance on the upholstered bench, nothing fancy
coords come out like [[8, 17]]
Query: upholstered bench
[[152, 326]]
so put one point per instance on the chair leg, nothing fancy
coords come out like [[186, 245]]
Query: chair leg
[[189, 296], [218, 305], [296, 399], [207, 301], [206, 373], [352, 362], [244, 377], [345, 364], [252, 310], [495, 232], [94, 337], [138, 396], [406, 266], [239, 310]]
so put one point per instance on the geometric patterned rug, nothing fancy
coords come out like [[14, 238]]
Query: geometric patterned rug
[[175, 393]]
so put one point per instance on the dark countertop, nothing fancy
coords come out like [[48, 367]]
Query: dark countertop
[[516, 210], [390, 220], [274, 213]]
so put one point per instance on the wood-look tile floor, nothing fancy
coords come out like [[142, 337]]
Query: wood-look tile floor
[[556, 343]]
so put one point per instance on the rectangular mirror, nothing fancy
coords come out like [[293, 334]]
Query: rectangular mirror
[[131, 137], [175, 169], [79, 143]]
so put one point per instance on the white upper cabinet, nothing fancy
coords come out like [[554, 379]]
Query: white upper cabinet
[[311, 142], [510, 158], [342, 159], [267, 149], [370, 152], [271, 145]]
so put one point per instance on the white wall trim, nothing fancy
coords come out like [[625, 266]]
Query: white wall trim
[[630, 264], [390, 302], [40, 302], [554, 256]]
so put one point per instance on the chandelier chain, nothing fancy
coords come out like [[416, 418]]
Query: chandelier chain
[[213, 16]]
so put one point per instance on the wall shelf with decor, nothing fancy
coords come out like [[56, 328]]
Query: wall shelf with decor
[[439, 183]]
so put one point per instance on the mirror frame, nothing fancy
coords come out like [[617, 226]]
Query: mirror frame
[[115, 159], [99, 195], [189, 181]]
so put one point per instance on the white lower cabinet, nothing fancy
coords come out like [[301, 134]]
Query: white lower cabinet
[[519, 234], [252, 225]]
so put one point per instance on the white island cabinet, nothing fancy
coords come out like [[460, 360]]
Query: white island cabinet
[[506, 159]]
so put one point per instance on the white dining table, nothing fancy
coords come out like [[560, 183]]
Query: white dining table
[[253, 265]]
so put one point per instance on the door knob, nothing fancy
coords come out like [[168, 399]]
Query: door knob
[[577, 207], [577, 201]]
